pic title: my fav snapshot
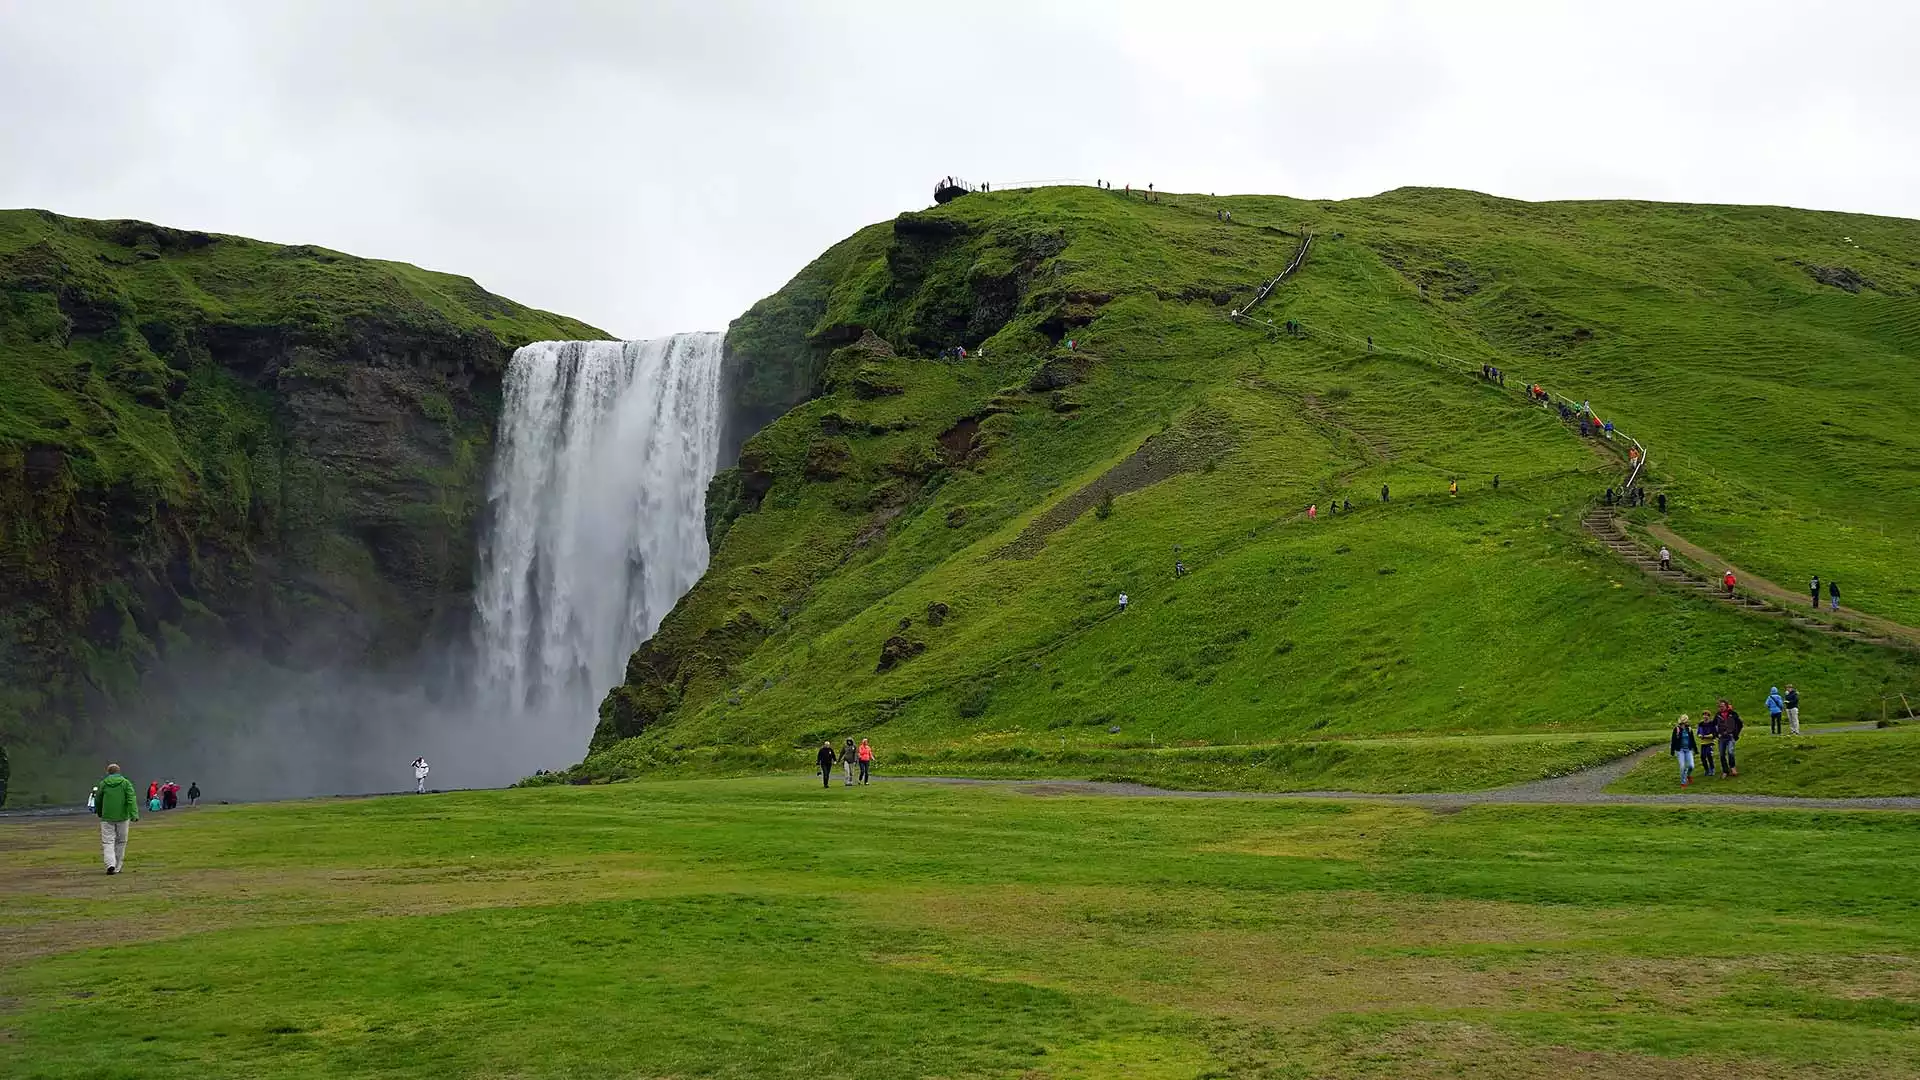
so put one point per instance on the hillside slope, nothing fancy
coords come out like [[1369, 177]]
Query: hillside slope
[[209, 443], [929, 549]]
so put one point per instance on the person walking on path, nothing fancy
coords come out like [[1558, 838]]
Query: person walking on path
[[1728, 582], [825, 760], [118, 805], [1730, 727], [1814, 588], [1666, 558], [865, 754], [1123, 603], [169, 796], [420, 769], [1775, 706], [1707, 735], [1682, 746], [1383, 493], [193, 793], [1833, 594], [1793, 710], [847, 752], [1453, 488]]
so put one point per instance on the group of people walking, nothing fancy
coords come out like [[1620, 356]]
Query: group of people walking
[[1833, 593], [165, 795], [1719, 732], [861, 756]]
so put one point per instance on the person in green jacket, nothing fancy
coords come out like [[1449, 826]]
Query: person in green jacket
[[118, 806]]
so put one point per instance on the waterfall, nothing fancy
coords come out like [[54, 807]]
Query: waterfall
[[597, 518]]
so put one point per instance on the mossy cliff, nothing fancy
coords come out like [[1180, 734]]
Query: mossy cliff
[[927, 547], [213, 441]]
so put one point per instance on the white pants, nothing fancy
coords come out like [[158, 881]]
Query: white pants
[[1793, 719], [113, 843], [847, 764], [420, 784]]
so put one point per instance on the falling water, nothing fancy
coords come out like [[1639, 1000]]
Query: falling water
[[597, 518]]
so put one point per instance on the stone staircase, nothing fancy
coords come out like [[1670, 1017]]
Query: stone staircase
[[1602, 522]]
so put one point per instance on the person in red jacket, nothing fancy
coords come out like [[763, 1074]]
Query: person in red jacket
[[1728, 581], [866, 761]]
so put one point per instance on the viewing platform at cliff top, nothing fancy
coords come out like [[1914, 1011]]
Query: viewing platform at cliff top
[[952, 187]]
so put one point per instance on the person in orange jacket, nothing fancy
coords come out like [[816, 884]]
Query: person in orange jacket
[[865, 754]]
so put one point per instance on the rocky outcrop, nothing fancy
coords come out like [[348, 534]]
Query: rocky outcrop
[[212, 443]]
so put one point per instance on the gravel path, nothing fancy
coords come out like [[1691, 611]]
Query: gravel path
[[1586, 788]]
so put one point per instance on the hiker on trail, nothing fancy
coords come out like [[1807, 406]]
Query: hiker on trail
[[1730, 728], [1179, 569], [1369, 342], [1793, 710], [1683, 746], [1349, 505], [1383, 493], [1662, 500], [865, 754], [825, 760], [1123, 603], [1728, 582], [1609, 496], [420, 769], [193, 793], [1313, 511], [118, 806], [1666, 558], [1707, 735], [1775, 706], [1496, 481], [1814, 588], [1453, 488], [1833, 593], [847, 753]]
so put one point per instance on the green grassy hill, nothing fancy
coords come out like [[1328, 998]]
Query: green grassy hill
[[214, 443], [927, 550]]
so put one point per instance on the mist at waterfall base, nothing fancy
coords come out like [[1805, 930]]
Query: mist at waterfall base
[[595, 526]]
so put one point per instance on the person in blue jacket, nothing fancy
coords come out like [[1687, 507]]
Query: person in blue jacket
[[1775, 706]]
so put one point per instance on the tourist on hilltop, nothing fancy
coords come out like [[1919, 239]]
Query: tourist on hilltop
[[1453, 488], [1793, 710], [1730, 727], [118, 805], [1496, 481], [1123, 603], [1708, 736], [1775, 706], [1666, 558], [1833, 594], [1813, 587], [193, 793], [1179, 569], [420, 769], [1728, 581], [1682, 746], [847, 753], [865, 754], [1313, 511], [825, 761], [1383, 493]]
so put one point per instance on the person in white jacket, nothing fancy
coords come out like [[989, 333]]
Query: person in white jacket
[[420, 775]]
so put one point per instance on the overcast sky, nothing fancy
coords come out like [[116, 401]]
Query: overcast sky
[[657, 166]]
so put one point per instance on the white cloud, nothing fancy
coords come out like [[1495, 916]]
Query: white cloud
[[658, 167]]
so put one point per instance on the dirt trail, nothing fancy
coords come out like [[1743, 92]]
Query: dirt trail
[[1789, 599], [1584, 788]]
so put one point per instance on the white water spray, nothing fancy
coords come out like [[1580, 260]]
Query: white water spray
[[598, 519]]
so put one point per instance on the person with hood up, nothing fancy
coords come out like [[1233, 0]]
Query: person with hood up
[[1682, 746], [865, 754], [117, 803], [1775, 706], [825, 760], [847, 754]]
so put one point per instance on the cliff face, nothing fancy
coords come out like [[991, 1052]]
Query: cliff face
[[213, 442]]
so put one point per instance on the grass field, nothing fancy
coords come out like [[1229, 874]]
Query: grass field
[[767, 928]]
